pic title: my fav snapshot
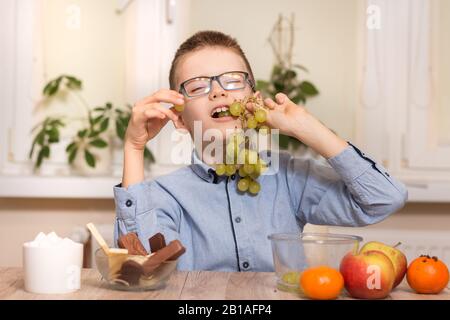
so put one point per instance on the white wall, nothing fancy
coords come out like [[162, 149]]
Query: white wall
[[326, 43]]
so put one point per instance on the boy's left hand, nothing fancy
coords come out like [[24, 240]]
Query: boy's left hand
[[285, 115], [295, 121]]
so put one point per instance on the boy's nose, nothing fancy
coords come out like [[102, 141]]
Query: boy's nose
[[217, 91]]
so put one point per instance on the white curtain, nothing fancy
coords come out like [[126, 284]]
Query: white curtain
[[154, 30]]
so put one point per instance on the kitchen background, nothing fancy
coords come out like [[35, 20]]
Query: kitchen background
[[381, 68]]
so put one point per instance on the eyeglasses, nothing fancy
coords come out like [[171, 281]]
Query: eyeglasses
[[199, 86]]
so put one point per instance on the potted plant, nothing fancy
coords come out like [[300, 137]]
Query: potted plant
[[285, 74], [88, 145]]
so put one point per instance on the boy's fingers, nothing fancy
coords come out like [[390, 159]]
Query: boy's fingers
[[250, 106], [153, 113], [281, 98], [168, 112], [257, 94], [270, 103], [164, 95]]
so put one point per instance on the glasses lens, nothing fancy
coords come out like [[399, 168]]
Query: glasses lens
[[233, 80], [197, 87]]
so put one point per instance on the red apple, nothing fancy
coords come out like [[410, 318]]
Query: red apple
[[397, 257], [368, 275]]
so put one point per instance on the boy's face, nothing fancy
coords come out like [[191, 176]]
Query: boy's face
[[211, 61]]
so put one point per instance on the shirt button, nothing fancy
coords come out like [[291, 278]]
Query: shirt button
[[238, 220], [233, 177], [129, 203], [246, 265]]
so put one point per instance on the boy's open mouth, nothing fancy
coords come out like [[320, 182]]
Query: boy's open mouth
[[221, 112]]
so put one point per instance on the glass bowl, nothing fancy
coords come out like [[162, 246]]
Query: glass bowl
[[110, 272], [294, 253]]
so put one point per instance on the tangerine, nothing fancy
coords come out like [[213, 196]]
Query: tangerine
[[427, 275], [322, 283]]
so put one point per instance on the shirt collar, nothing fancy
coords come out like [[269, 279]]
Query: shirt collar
[[203, 170]]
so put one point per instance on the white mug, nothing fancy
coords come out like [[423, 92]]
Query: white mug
[[52, 270]]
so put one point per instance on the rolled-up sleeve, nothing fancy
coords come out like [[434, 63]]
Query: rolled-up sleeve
[[353, 190], [146, 209]]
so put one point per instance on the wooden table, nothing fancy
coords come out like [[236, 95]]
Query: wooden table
[[182, 286]]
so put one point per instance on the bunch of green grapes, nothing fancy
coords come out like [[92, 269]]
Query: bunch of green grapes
[[240, 158]]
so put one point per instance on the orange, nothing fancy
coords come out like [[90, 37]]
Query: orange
[[321, 283], [427, 275]]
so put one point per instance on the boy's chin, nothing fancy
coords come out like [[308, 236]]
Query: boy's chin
[[224, 123]]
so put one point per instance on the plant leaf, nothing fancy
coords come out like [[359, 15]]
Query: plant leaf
[[71, 146], [82, 133], [53, 135], [262, 85], [299, 66], [99, 143], [45, 151], [89, 157], [104, 125], [120, 129], [308, 89], [73, 154], [73, 83], [39, 160]]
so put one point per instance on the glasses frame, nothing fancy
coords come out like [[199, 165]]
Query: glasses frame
[[217, 79]]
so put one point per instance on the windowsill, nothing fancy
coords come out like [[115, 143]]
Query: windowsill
[[67, 187]]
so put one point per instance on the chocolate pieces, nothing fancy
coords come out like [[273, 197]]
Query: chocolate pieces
[[157, 242], [131, 272], [132, 243], [169, 253]]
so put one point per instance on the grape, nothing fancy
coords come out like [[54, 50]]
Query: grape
[[248, 168], [260, 116], [254, 187], [265, 130], [252, 123], [239, 156], [230, 169], [231, 152], [242, 173], [220, 169], [243, 184], [236, 109], [179, 108]]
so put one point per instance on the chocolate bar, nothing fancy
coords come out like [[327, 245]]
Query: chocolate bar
[[131, 272], [157, 242], [132, 243], [169, 253]]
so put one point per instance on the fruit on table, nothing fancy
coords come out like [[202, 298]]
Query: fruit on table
[[368, 275], [397, 257], [427, 275], [321, 283]]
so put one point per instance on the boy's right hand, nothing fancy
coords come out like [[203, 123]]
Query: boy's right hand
[[148, 117]]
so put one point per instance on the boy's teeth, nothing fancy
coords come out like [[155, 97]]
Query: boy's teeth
[[219, 110]]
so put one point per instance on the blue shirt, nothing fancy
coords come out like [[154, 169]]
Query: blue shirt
[[224, 230]]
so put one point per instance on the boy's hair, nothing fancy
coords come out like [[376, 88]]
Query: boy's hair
[[204, 39]]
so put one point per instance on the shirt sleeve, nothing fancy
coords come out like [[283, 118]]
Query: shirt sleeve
[[353, 190], [146, 209]]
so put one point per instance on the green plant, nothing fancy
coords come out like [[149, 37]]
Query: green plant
[[285, 74], [96, 123]]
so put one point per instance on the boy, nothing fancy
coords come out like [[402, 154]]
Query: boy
[[221, 228]]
